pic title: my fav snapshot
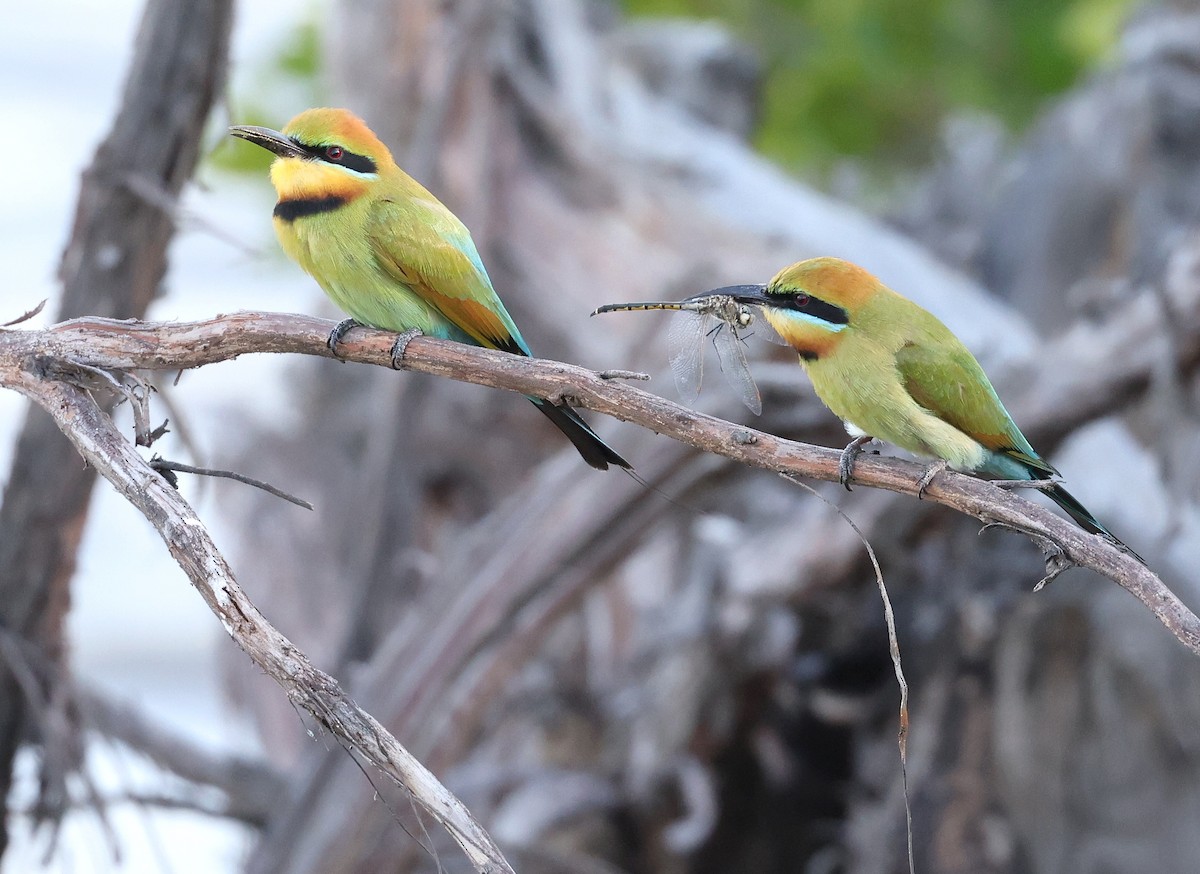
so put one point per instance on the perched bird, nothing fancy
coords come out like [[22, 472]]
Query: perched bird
[[891, 370], [386, 251]]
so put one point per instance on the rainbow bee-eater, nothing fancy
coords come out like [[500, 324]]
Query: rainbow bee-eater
[[890, 370], [386, 251]]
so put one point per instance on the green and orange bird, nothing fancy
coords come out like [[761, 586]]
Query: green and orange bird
[[891, 370], [386, 251]]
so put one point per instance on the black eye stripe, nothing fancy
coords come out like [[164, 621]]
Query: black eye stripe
[[359, 163], [826, 312], [349, 160], [813, 306]]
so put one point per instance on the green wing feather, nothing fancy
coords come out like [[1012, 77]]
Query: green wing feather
[[944, 378], [423, 246]]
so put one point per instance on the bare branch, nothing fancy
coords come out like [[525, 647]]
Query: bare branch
[[96, 438], [124, 345]]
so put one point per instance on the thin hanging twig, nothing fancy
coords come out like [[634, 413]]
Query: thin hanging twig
[[889, 617]]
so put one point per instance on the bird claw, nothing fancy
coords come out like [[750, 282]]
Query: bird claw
[[401, 344], [340, 330], [930, 472], [849, 454]]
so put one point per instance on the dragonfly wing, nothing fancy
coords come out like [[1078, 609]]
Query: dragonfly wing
[[761, 327], [732, 355], [685, 339]]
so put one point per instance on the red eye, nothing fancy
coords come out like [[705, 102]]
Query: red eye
[[334, 153], [801, 300]]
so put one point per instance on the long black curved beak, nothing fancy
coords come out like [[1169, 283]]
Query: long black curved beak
[[748, 294], [271, 140]]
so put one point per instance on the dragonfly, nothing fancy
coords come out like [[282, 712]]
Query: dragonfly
[[708, 316]]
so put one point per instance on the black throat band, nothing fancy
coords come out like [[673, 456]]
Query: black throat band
[[290, 210]]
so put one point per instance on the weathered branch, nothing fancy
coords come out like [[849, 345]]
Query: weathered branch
[[134, 345], [99, 442]]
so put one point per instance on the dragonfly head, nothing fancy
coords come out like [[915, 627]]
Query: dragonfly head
[[738, 306], [749, 295]]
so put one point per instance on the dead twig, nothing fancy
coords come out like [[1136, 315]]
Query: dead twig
[[126, 386], [27, 315], [161, 464]]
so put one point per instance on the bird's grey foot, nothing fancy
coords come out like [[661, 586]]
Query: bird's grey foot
[[927, 477], [401, 344], [849, 454], [1047, 483], [339, 331]]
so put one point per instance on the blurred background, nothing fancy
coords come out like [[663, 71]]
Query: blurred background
[[693, 678]]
